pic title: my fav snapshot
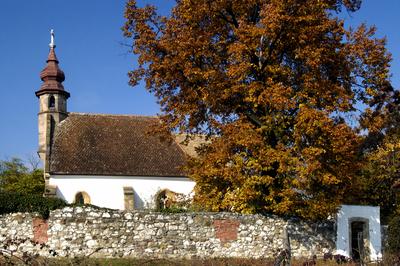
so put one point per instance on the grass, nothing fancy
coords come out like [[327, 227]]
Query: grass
[[86, 261], [172, 262]]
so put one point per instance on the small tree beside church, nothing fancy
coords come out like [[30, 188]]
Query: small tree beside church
[[21, 189], [16, 177]]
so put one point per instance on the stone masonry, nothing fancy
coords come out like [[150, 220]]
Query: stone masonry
[[83, 231]]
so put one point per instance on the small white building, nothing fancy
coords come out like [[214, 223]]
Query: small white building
[[113, 161], [359, 232]]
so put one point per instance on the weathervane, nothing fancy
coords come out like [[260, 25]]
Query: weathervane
[[52, 43]]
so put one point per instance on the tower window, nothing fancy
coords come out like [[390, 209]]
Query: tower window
[[52, 102]]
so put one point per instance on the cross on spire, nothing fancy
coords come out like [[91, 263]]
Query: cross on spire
[[52, 43]]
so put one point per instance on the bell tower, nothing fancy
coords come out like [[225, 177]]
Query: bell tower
[[52, 104]]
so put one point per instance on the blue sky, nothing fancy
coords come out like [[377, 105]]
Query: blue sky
[[94, 61]]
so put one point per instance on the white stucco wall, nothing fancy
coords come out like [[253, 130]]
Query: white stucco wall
[[107, 191], [346, 214]]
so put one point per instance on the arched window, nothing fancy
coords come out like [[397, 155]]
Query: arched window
[[166, 198], [52, 101], [82, 198]]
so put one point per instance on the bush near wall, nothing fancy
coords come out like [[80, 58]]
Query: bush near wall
[[14, 202], [393, 239]]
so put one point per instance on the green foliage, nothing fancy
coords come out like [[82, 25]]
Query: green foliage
[[16, 177], [15, 202], [172, 209], [379, 173], [394, 235], [21, 189]]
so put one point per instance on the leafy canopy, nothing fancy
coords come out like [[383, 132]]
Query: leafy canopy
[[273, 82], [381, 170], [17, 178]]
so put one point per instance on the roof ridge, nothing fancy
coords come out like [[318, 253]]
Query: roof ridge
[[116, 115]]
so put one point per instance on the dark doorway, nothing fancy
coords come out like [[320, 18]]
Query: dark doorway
[[359, 240]]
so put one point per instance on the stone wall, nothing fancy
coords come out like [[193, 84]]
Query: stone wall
[[110, 233]]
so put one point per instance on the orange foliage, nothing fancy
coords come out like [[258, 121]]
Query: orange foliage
[[273, 82]]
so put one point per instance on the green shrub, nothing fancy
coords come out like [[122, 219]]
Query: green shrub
[[173, 209], [16, 177], [393, 239], [14, 202]]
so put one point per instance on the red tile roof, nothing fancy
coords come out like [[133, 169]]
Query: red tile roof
[[116, 145]]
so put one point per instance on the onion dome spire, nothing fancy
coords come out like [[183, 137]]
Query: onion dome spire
[[52, 76]]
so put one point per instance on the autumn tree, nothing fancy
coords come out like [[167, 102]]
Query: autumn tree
[[273, 83]]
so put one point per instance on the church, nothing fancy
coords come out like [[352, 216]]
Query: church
[[111, 161], [119, 162]]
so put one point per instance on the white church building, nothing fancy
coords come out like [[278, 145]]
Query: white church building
[[111, 161]]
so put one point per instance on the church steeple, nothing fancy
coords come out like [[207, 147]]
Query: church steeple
[[52, 76], [52, 103]]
